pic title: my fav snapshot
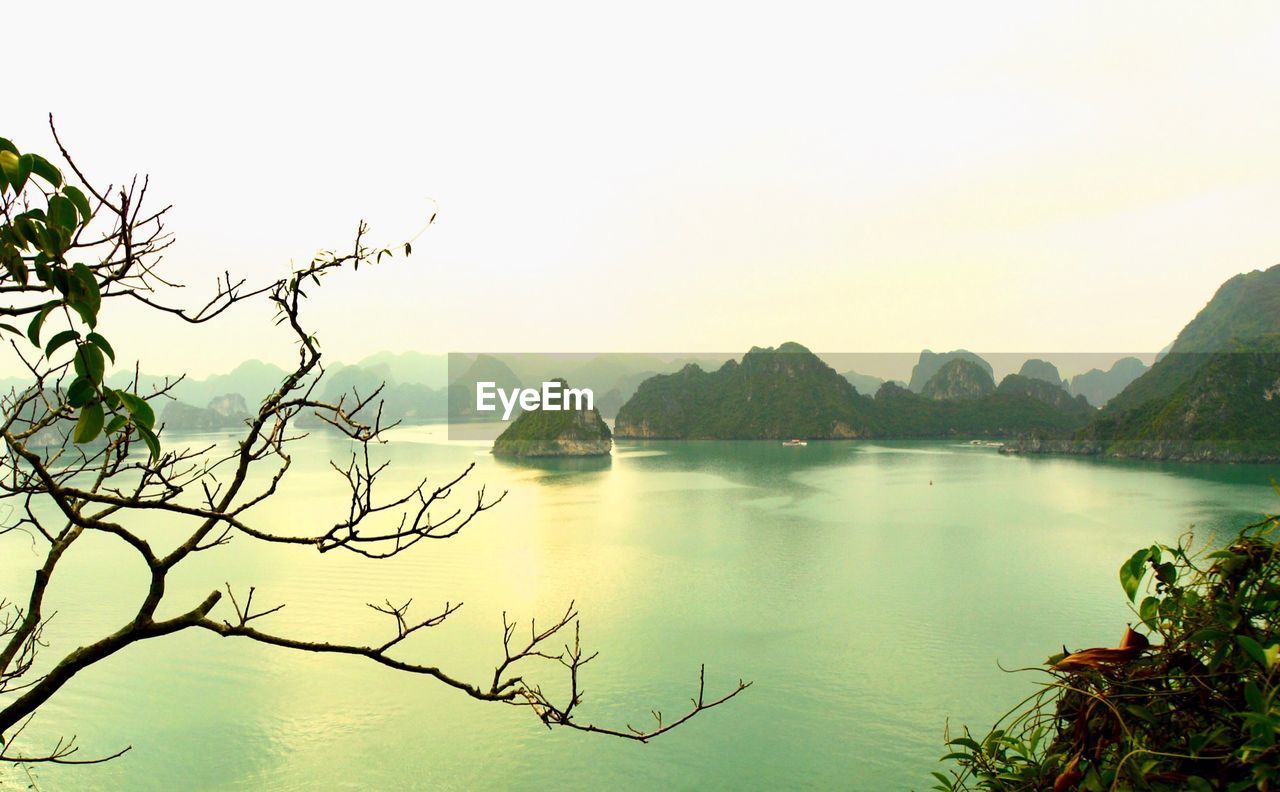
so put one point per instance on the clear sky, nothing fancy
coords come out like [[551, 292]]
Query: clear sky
[[1014, 176]]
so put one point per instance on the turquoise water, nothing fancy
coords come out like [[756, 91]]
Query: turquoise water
[[870, 591]]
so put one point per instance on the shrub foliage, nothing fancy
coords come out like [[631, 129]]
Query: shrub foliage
[[1187, 701]]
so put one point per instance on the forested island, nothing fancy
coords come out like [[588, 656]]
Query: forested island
[[555, 433]]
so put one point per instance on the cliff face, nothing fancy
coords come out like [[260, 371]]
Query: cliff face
[[555, 433], [930, 363], [959, 379]]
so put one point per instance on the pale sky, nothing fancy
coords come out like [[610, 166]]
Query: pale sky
[[1065, 177]]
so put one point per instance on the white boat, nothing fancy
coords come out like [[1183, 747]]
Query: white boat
[[795, 443]]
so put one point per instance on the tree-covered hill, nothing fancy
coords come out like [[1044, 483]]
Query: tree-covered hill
[[1214, 397], [772, 394], [555, 433], [789, 392]]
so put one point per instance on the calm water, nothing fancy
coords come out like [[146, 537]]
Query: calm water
[[869, 591]]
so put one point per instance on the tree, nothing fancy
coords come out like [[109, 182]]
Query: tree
[[94, 456]]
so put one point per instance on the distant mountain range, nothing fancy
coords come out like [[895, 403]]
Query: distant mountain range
[[789, 392], [1214, 394]]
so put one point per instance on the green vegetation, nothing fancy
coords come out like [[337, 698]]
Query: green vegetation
[[772, 394], [1194, 707], [959, 379], [40, 233], [789, 392], [1245, 307], [548, 433], [1227, 410], [1213, 397], [1019, 405]]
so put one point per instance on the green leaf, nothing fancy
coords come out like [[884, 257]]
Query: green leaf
[[115, 423], [65, 337], [1253, 697], [7, 145], [148, 437], [62, 212], [80, 392], [81, 202], [10, 328], [1148, 611], [1209, 635], [967, 742], [1253, 649], [45, 170], [90, 424], [89, 363], [88, 299], [33, 329], [101, 343], [142, 413], [1132, 572], [16, 169]]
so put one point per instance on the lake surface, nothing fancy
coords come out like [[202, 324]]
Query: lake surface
[[871, 591]]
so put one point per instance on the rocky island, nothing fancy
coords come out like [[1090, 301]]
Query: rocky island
[[555, 433]]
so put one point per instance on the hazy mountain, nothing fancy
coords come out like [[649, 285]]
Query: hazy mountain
[[1099, 387], [462, 391], [930, 362], [404, 402], [866, 384], [252, 379], [1042, 370], [227, 411], [411, 368]]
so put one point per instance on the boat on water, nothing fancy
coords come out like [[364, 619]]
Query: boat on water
[[795, 443]]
